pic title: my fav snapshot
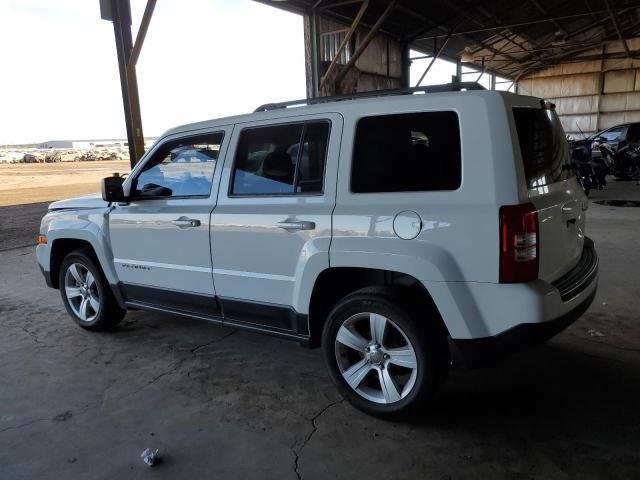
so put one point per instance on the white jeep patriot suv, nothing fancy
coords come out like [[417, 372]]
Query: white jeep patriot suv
[[377, 227]]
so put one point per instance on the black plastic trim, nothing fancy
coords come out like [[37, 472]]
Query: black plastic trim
[[264, 315], [278, 320], [581, 276], [47, 277], [176, 301], [488, 350], [133, 305]]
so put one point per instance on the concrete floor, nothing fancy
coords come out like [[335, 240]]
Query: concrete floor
[[220, 403]]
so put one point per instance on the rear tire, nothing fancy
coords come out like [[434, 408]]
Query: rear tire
[[86, 293], [385, 352]]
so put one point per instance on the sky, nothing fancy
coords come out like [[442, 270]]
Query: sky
[[201, 59]]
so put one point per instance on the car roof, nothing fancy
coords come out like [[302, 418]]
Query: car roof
[[342, 106]]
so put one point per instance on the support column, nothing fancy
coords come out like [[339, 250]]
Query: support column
[[458, 75], [405, 80], [120, 15], [311, 53]]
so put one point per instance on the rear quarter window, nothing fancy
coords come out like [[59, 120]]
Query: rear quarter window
[[406, 153], [543, 146]]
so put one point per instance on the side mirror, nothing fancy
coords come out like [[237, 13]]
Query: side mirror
[[601, 140], [112, 189]]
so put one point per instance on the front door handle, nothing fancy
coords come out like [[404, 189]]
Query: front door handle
[[292, 225], [184, 222]]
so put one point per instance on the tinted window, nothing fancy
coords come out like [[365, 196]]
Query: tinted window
[[633, 135], [543, 145], [182, 168], [270, 160], [408, 152]]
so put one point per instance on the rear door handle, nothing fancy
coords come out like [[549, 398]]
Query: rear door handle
[[184, 222], [303, 225]]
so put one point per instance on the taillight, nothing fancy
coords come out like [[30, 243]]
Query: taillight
[[519, 250]]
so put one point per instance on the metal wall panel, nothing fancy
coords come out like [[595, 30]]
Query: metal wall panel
[[611, 119], [568, 69], [620, 102], [577, 105], [591, 95], [561, 86], [616, 81], [579, 123]]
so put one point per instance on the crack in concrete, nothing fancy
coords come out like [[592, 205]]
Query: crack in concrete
[[198, 347], [61, 417], [175, 365], [172, 369], [32, 335], [26, 424], [314, 429]]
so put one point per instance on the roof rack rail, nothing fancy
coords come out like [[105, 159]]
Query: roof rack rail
[[446, 87]]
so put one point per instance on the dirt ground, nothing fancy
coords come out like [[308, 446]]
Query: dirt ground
[[228, 404], [23, 183]]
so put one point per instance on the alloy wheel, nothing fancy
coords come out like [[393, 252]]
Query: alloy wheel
[[376, 358], [82, 292]]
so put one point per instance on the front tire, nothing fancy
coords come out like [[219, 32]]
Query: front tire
[[86, 294], [385, 352]]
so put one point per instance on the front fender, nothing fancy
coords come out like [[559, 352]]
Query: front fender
[[91, 226]]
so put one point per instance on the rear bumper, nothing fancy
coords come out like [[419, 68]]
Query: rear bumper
[[572, 295], [485, 351]]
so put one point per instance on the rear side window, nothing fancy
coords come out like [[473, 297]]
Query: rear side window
[[281, 159], [544, 148], [406, 153]]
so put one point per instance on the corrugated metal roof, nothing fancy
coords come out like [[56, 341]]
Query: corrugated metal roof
[[512, 39]]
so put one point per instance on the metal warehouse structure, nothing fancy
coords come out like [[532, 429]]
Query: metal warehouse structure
[[581, 54]]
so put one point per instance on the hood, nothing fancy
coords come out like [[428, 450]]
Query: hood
[[87, 201]]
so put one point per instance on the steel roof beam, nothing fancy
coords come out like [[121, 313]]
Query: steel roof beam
[[515, 25], [433, 60], [616, 25], [142, 31], [345, 41], [365, 42]]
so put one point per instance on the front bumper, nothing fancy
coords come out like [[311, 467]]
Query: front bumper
[[47, 277]]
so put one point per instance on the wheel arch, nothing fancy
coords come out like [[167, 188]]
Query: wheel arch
[[335, 283], [62, 246]]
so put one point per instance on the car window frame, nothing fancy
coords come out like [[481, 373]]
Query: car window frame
[[163, 149], [304, 123]]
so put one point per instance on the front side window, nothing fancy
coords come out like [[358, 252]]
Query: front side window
[[407, 153], [281, 159], [181, 168]]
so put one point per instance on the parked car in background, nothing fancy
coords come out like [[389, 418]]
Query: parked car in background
[[612, 151], [615, 137], [376, 228]]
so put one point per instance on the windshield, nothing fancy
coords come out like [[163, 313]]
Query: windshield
[[543, 145]]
